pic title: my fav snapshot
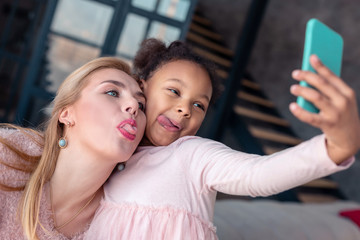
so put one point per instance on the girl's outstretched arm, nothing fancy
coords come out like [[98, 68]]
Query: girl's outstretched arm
[[338, 116]]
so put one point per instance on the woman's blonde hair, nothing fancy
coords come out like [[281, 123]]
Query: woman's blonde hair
[[68, 93]]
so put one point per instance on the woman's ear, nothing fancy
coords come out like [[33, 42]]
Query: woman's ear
[[65, 116]]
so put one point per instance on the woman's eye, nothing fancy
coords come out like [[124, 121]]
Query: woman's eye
[[142, 106], [112, 93], [198, 105], [174, 91]]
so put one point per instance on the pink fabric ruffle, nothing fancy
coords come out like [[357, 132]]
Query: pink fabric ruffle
[[133, 221]]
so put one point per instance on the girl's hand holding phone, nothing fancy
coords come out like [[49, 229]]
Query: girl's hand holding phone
[[338, 116]]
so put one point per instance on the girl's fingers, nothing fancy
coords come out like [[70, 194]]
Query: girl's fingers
[[326, 73], [341, 97], [305, 116], [321, 120], [338, 117], [322, 70], [321, 101], [318, 82], [329, 112]]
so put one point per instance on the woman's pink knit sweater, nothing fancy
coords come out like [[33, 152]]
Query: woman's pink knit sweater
[[10, 226]]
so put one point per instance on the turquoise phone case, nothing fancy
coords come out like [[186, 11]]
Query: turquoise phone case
[[328, 46]]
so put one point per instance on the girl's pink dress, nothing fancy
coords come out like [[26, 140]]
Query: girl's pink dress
[[169, 192]]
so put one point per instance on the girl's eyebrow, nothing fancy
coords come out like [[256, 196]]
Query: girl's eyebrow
[[122, 85], [182, 83]]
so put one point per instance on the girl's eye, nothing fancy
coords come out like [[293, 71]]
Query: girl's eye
[[142, 106], [198, 105], [112, 93], [174, 91]]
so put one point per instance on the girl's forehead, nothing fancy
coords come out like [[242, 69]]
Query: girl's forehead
[[181, 62], [180, 68]]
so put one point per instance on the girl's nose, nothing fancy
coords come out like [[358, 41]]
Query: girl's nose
[[184, 110]]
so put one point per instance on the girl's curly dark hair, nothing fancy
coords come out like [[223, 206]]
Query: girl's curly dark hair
[[153, 54]]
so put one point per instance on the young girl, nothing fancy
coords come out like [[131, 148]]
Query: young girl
[[168, 188], [97, 121]]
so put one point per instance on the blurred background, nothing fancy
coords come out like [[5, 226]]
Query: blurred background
[[255, 45]]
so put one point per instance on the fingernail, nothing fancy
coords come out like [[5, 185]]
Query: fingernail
[[295, 73], [293, 106], [315, 57]]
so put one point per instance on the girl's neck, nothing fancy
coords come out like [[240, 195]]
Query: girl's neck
[[145, 142]]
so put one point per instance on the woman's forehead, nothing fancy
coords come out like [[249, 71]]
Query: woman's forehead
[[115, 76]]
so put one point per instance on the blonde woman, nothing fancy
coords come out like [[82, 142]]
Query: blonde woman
[[97, 121]]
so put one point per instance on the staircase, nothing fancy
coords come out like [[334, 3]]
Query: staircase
[[264, 127]]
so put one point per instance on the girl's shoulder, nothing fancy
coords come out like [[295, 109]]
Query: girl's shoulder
[[186, 139], [194, 143], [184, 145], [185, 142]]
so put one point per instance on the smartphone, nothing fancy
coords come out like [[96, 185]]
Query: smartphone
[[328, 46]]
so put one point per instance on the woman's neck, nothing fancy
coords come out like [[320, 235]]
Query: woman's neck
[[79, 176], [77, 182]]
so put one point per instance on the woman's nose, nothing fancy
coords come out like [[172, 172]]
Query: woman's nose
[[132, 106]]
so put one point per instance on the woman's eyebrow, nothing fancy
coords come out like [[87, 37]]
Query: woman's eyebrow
[[140, 94], [117, 83]]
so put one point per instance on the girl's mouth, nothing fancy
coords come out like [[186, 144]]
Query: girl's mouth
[[168, 124]]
